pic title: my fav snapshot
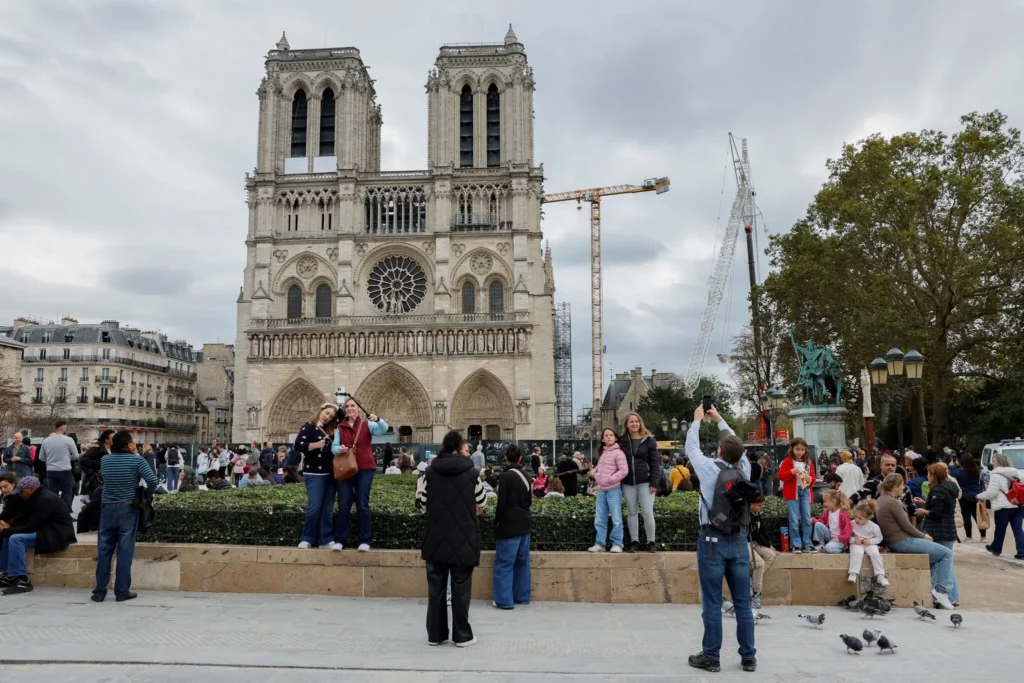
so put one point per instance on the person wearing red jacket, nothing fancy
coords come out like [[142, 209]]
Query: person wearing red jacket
[[797, 476], [356, 433], [834, 528]]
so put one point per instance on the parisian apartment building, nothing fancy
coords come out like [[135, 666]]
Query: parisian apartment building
[[104, 376]]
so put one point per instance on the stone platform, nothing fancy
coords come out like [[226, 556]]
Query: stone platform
[[557, 576]]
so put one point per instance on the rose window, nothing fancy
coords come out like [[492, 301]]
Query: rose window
[[397, 285]]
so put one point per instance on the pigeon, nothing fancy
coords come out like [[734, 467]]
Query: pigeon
[[921, 612], [847, 601], [852, 643], [759, 615], [870, 609], [885, 644], [853, 606], [728, 608], [871, 636], [956, 619], [815, 620]]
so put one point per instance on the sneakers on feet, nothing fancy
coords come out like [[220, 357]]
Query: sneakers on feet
[[130, 596], [471, 641], [941, 599], [702, 661], [755, 601], [596, 548], [633, 547], [440, 642], [616, 549], [304, 545], [797, 551], [6, 581], [326, 546], [813, 549], [337, 546], [852, 578], [881, 580], [749, 664], [21, 585], [363, 547], [502, 606], [651, 547]]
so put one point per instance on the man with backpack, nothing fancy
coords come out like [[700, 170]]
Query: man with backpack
[[173, 467], [722, 550]]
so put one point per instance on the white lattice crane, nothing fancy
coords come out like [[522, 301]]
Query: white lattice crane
[[742, 215], [593, 195]]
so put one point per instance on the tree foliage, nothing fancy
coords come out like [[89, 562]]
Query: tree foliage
[[915, 241]]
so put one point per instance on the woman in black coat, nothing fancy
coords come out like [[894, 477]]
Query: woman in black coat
[[641, 484], [941, 505], [92, 460]]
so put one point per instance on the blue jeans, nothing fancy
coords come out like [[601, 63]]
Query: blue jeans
[[12, 555], [823, 536], [609, 502], [800, 520], [940, 559], [173, 472], [320, 489], [725, 556], [118, 525], [954, 593], [512, 571], [355, 489]]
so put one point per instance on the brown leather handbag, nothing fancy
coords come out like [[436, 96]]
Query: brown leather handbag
[[345, 466]]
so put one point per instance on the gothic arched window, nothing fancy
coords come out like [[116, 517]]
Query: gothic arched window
[[496, 297], [466, 127], [493, 126], [327, 123], [468, 297], [323, 301], [299, 124], [294, 302]]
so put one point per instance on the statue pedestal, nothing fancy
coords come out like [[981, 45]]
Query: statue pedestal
[[821, 426]]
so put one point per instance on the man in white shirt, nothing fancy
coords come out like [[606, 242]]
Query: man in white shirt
[[393, 468], [853, 476], [911, 454]]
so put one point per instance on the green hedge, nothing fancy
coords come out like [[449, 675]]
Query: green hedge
[[273, 515]]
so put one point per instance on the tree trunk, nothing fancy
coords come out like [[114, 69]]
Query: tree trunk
[[940, 407]]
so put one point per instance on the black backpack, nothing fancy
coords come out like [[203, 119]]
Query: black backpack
[[172, 457], [729, 510]]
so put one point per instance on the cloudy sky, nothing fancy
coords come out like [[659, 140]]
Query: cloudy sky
[[126, 128]]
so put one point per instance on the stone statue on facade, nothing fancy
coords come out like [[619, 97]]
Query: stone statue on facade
[[820, 378]]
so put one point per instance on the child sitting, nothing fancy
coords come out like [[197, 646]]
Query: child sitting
[[833, 529], [763, 555], [866, 537]]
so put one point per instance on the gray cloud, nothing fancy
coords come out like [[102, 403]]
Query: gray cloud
[[127, 127]]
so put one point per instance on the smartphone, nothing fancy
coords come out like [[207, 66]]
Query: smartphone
[[707, 402]]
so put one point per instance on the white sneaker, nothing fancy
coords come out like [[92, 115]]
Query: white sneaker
[[882, 581], [596, 548], [304, 545], [852, 578], [942, 599], [467, 643], [363, 547], [337, 546], [616, 548], [430, 642]]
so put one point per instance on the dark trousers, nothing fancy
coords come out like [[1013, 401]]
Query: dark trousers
[[63, 484], [437, 602], [969, 509], [118, 525], [1008, 517], [354, 490]]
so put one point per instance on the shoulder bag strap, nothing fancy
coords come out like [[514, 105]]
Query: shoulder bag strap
[[523, 477]]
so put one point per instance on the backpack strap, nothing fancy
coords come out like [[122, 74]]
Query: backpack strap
[[523, 477], [722, 467]]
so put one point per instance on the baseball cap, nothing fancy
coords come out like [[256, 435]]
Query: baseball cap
[[26, 483], [731, 445]]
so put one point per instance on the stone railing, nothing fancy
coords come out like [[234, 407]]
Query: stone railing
[[360, 322], [490, 341]]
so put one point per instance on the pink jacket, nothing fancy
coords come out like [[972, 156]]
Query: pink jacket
[[845, 525], [611, 468]]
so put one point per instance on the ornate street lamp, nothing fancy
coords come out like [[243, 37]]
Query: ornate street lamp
[[892, 367], [773, 400]]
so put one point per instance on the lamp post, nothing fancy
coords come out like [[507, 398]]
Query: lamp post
[[673, 429], [773, 402], [905, 371]]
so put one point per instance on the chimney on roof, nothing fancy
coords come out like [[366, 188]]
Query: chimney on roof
[[68, 320], [112, 324]]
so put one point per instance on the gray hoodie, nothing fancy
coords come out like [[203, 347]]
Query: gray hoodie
[[57, 451], [998, 484]]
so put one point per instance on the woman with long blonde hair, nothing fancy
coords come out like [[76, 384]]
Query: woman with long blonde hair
[[641, 483]]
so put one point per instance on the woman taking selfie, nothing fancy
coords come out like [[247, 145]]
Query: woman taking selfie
[[355, 433], [640, 485], [314, 443]]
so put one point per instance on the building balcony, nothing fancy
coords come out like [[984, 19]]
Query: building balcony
[[120, 401], [478, 222], [83, 399], [158, 405], [105, 379], [37, 400], [179, 391], [94, 359], [361, 322], [132, 402], [99, 399], [149, 404], [61, 399]]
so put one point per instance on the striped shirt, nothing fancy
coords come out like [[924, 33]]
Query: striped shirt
[[421, 492], [121, 475]]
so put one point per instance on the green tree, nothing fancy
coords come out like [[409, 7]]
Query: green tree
[[661, 404], [918, 241]]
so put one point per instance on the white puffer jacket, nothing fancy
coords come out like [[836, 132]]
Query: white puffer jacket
[[998, 484]]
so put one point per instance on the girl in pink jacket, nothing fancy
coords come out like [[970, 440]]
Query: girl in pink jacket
[[610, 470], [834, 528]]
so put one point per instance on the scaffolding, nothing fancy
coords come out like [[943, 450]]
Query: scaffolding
[[563, 371]]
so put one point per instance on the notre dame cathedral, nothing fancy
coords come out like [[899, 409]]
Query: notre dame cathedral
[[426, 293]]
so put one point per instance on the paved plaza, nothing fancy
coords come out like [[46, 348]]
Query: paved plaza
[[59, 635]]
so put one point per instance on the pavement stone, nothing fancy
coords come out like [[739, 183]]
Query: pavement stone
[[58, 634]]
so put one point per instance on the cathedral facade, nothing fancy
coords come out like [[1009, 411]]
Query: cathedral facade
[[426, 293]]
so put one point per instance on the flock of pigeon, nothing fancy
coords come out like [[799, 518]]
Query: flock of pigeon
[[870, 606]]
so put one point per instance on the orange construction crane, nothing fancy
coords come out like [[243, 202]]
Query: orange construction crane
[[593, 195]]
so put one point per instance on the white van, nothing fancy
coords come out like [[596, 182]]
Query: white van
[[1011, 447]]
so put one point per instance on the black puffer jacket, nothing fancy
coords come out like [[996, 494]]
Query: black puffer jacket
[[451, 528], [644, 464], [91, 463], [940, 523]]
